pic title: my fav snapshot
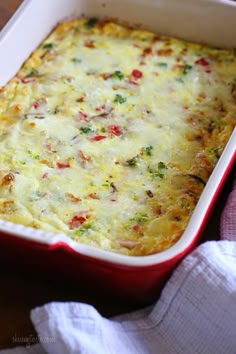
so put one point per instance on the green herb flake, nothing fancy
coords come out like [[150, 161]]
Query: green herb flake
[[133, 162], [76, 60], [33, 155], [162, 166], [187, 68], [119, 99], [149, 150], [213, 153], [118, 75], [156, 173], [107, 183], [184, 205], [90, 23], [86, 130], [48, 46], [103, 130], [32, 73], [140, 218], [161, 64], [82, 230], [39, 194], [76, 29]]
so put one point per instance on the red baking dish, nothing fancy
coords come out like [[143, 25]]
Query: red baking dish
[[132, 279]]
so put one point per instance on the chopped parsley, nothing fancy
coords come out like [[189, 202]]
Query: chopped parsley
[[118, 75], [48, 46], [162, 165], [90, 23], [33, 155], [187, 68], [32, 73], [82, 230], [86, 130], [133, 162], [158, 172], [140, 218], [149, 150], [213, 153], [184, 205], [119, 99], [76, 60], [39, 194], [161, 64], [107, 183]]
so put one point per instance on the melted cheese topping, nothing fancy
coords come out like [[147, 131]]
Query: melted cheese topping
[[109, 134]]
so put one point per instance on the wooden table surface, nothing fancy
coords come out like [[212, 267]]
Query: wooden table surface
[[20, 291]]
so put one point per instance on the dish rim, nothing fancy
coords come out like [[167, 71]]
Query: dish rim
[[202, 209]]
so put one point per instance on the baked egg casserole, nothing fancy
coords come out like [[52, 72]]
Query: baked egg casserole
[[109, 134]]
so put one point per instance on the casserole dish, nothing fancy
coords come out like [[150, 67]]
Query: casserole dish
[[136, 278]]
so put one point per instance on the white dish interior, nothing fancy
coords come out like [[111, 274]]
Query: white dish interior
[[204, 21]]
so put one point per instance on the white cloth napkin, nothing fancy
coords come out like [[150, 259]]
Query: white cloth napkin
[[196, 312]]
